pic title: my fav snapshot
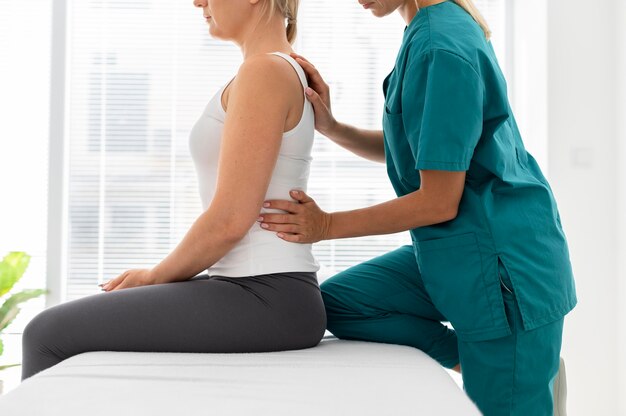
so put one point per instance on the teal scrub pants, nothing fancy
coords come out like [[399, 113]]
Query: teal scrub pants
[[384, 300]]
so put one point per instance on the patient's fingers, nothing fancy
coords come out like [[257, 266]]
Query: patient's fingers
[[112, 284]]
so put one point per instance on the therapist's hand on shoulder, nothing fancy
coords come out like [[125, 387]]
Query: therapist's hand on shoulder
[[302, 222], [318, 93]]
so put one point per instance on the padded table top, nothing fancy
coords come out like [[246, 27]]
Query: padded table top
[[337, 377]]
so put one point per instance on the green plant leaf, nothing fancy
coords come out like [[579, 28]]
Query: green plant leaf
[[1, 346], [12, 268], [10, 309]]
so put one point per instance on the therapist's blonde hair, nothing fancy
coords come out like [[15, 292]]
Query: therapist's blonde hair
[[289, 10], [471, 8]]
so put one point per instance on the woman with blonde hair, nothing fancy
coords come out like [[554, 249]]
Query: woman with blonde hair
[[489, 254], [252, 142]]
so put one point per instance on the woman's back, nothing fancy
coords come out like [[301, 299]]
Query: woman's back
[[259, 252]]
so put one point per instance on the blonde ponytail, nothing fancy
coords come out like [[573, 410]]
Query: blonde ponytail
[[471, 8], [292, 15], [289, 10]]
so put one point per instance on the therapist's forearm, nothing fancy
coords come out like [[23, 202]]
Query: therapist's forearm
[[401, 214], [368, 144], [207, 241]]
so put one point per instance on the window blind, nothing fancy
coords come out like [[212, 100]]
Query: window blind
[[140, 74]]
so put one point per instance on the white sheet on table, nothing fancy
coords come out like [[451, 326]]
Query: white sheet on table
[[337, 377]]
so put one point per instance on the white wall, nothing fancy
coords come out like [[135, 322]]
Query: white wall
[[585, 152], [528, 77], [620, 35]]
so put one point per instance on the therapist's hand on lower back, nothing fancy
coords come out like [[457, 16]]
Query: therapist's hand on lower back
[[302, 222], [318, 94]]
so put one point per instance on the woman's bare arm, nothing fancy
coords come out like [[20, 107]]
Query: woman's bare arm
[[435, 202], [303, 221], [368, 144], [258, 106]]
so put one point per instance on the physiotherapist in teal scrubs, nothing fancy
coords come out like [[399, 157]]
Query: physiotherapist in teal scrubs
[[489, 253]]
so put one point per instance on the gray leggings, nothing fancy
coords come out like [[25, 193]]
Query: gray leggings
[[271, 312]]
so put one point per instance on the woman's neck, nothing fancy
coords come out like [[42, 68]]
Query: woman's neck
[[264, 38]]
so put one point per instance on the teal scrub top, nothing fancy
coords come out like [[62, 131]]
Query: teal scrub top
[[446, 108]]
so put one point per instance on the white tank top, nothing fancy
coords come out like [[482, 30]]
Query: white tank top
[[260, 251]]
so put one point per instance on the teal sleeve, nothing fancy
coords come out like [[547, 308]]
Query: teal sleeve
[[442, 110]]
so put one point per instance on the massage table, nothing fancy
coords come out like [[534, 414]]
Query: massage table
[[337, 377]]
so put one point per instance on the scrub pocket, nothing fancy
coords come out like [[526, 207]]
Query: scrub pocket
[[454, 276], [400, 149]]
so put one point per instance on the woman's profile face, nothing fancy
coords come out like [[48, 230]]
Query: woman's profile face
[[380, 8], [225, 17]]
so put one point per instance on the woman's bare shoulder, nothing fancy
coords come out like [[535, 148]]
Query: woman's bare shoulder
[[266, 66], [266, 74]]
